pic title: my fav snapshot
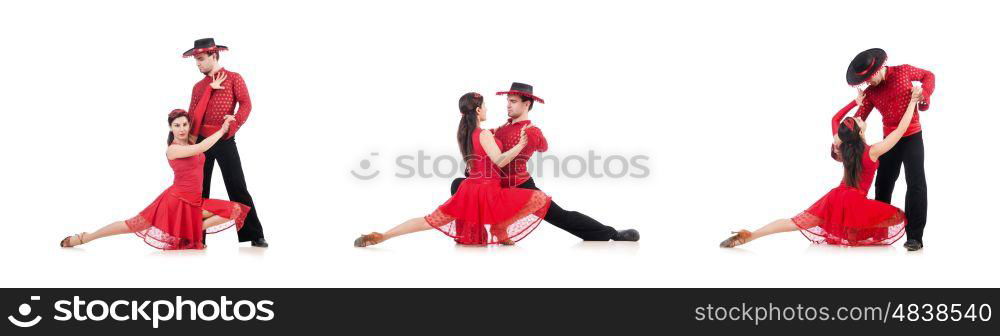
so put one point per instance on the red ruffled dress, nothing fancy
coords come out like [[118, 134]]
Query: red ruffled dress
[[845, 215], [174, 220], [481, 212]]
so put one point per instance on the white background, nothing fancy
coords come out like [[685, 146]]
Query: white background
[[730, 100]]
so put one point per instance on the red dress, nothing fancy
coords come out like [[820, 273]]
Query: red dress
[[845, 215], [174, 221], [481, 212]]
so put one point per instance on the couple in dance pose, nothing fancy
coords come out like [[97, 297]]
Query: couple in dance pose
[[498, 202], [181, 216], [845, 216]]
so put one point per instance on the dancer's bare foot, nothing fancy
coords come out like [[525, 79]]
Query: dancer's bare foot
[[68, 241], [369, 239], [739, 238], [507, 242]]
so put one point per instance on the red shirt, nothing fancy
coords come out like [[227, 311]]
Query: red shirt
[[516, 172], [892, 95], [221, 103]]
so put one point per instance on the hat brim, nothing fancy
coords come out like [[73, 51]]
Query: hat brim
[[856, 79], [195, 51], [521, 93]]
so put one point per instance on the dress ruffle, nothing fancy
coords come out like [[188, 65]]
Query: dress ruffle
[[481, 213], [844, 216], [175, 223]]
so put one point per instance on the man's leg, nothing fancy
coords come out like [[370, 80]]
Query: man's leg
[[576, 223], [916, 188], [454, 184], [236, 186], [206, 184], [888, 173]]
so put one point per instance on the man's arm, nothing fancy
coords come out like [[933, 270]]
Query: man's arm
[[926, 79], [242, 95], [537, 140]]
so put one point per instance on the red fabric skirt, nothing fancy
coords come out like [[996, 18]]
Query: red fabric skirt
[[845, 216], [174, 220], [481, 212]]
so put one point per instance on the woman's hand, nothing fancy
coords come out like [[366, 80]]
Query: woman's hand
[[917, 94], [524, 135], [217, 81], [861, 97], [226, 121]]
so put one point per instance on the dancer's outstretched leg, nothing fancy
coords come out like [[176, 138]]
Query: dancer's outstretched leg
[[112, 229], [211, 220], [410, 226], [744, 236]]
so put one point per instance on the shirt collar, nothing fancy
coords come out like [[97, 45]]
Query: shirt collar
[[221, 70], [510, 121]]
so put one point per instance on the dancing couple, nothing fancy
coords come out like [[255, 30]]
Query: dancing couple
[[498, 202], [845, 216], [181, 216]]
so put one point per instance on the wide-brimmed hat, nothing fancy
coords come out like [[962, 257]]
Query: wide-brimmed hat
[[204, 45], [523, 90], [865, 65]]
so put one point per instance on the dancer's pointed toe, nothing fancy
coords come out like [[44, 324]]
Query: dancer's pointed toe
[[739, 238], [68, 241], [369, 239]]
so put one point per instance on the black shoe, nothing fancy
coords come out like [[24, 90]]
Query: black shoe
[[259, 242], [627, 235], [913, 245]]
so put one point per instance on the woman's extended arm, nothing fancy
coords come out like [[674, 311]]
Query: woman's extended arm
[[493, 151], [892, 138], [178, 152]]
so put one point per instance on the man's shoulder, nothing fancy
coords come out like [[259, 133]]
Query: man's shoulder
[[234, 74], [907, 68], [201, 82]]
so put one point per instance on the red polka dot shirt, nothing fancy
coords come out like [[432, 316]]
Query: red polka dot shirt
[[892, 95], [221, 103], [516, 172]]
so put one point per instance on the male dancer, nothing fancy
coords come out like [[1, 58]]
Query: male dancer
[[889, 91], [520, 100], [222, 101]]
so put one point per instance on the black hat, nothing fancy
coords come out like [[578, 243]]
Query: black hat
[[865, 65], [522, 89], [203, 46]]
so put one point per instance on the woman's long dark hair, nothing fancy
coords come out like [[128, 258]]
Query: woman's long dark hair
[[170, 121], [468, 105], [852, 149]]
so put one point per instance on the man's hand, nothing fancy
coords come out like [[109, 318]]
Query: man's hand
[[217, 81]]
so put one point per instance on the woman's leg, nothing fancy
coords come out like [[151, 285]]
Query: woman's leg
[[410, 226], [778, 226], [744, 236], [213, 220], [112, 229]]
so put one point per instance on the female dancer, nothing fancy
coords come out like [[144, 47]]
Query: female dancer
[[177, 218], [845, 216], [480, 212]]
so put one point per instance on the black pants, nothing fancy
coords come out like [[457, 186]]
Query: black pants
[[908, 152], [228, 156], [576, 223]]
